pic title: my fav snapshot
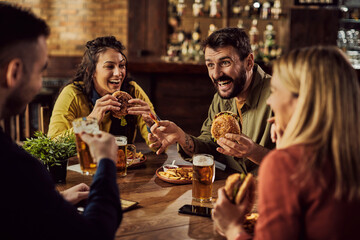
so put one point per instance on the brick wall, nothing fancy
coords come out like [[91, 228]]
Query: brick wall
[[74, 22]]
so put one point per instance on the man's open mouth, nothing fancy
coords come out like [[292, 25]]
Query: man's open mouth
[[224, 82]]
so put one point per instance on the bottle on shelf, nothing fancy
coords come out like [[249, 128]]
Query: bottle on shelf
[[195, 50], [180, 7], [248, 9], [186, 49], [254, 36], [173, 29], [198, 8], [236, 8], [240, 24], [265, 10], [355, 14], [276, 10], [270, 41], [196, 34], [212, 28], [215, 9], [181, 37], [172, 7], [256, 8]]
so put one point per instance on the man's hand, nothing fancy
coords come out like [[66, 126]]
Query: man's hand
[[104, 104], [228, 217], [155, 142], [236, 145], [101, 145], [241, 146], [76, 193], [167, 134]]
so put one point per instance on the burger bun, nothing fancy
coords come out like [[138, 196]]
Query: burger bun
[[123, 98], [223, 123], [237, 186]]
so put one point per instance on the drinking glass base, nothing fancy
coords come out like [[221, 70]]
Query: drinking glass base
[[203, 200]]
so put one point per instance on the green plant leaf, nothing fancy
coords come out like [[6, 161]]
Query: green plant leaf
[[50, 150]]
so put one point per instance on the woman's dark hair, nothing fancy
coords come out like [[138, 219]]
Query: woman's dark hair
[[235, 37], [84, 74]]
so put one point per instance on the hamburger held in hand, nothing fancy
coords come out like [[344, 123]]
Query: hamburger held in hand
[[123, 98], [223, 123], [237, 185]]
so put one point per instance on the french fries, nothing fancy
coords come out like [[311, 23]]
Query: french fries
[[250, 222], [178, 174], [131, 160], [131, 155]]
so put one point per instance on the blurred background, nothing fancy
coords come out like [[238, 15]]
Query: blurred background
[[163, 38]]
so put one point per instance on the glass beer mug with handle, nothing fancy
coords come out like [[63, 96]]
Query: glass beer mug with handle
[[203, 177], [88, 125]]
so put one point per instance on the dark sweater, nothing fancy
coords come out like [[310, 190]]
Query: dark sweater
[[31, 208]]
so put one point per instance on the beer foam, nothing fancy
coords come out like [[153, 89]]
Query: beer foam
[[87, 126], [120, 144], [203, 160], [121, 141]]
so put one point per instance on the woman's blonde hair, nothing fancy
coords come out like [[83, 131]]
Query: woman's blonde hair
[[327, 115]]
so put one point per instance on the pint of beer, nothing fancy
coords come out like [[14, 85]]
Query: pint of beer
[[203, 177], [121, 142], [90, 126]]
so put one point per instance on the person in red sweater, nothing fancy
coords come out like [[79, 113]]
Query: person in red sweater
[[309, 187]]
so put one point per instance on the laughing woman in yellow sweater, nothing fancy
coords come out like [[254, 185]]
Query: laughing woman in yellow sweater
[[102, 72]]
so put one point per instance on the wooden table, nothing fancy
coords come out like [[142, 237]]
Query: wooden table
[[156, 216]]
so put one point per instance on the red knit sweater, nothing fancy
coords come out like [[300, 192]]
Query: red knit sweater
[[288, 211]]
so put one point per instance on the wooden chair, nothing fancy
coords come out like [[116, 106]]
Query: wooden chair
[[43, 118], [17, 127]]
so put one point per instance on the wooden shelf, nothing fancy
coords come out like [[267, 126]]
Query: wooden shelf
[[158, 66]]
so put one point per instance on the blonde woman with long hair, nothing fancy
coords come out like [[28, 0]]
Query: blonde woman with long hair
[[309, 187]]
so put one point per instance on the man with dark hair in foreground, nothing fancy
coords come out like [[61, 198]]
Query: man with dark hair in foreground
[[30, 206]]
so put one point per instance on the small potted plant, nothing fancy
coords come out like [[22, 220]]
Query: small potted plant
[[52, 152]]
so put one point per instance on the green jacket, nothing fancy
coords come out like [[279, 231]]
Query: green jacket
[[255, 113], [72, 104]]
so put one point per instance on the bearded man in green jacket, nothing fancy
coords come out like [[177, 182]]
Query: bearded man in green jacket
[[242, 88]]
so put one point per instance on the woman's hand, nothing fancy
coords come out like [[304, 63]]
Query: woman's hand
[[228, 217], [104, 104], [140, 107], [275, 132], [76, 193]]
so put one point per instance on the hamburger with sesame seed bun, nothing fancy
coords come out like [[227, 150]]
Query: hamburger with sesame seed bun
[[223, 123]]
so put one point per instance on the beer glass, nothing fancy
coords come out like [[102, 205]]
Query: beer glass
[[90, 126], [121, 165], [203, 177]]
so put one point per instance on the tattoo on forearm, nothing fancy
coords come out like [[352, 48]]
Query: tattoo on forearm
[[189, 144]]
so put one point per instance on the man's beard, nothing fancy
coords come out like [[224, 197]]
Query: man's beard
[[14, 105], [238, 84], [17, 101]]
